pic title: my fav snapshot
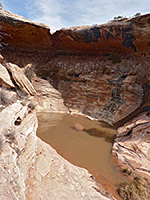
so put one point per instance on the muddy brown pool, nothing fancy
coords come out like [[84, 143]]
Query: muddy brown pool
[[89, 148]]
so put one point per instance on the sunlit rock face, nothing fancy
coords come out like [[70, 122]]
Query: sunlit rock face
[[49, 98], [132, 146], [18, 33], [31, 169], [127, 35]]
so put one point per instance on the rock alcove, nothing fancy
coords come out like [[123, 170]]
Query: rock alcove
[[100, 71]]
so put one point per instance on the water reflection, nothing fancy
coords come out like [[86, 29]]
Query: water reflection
[[109, 137], [87, 145]]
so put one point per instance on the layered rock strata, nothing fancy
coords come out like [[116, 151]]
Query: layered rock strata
[[127, 35], [132, 145], [18, 33], [108, 90], [31, 169], [101, 71]]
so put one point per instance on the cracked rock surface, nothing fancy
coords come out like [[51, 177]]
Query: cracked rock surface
[[31, 169], [132, 145]]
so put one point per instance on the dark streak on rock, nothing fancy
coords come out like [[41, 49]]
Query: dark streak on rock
[[110, 33], [91, 36], [148, 20], [128, 38], [96, 32], [86, 35], [117, 81], [116, 101]]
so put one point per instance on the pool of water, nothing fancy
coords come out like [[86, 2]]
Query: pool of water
[[81, 141]]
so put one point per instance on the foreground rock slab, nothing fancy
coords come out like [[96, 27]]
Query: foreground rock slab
[[31, 169], [50, 176]]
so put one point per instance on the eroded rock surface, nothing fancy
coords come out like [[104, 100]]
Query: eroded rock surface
[[31, 169], [108, 88], [101, 71], [123, 36], [12, 146], [128, 35], [132, 145], [5, 79], [49, 99], [1, 59], [108, 98], [20, 79], [21, 34]]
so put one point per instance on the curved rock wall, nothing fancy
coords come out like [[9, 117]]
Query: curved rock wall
[[128, 35], [20, 34], [29, 168], [102, 71], [123, 36]]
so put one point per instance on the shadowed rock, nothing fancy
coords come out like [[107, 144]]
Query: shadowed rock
[[5, 79], [1, 59]]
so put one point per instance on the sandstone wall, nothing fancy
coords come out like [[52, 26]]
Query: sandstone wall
[[99, 70], [102, 71], [31, 169]]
